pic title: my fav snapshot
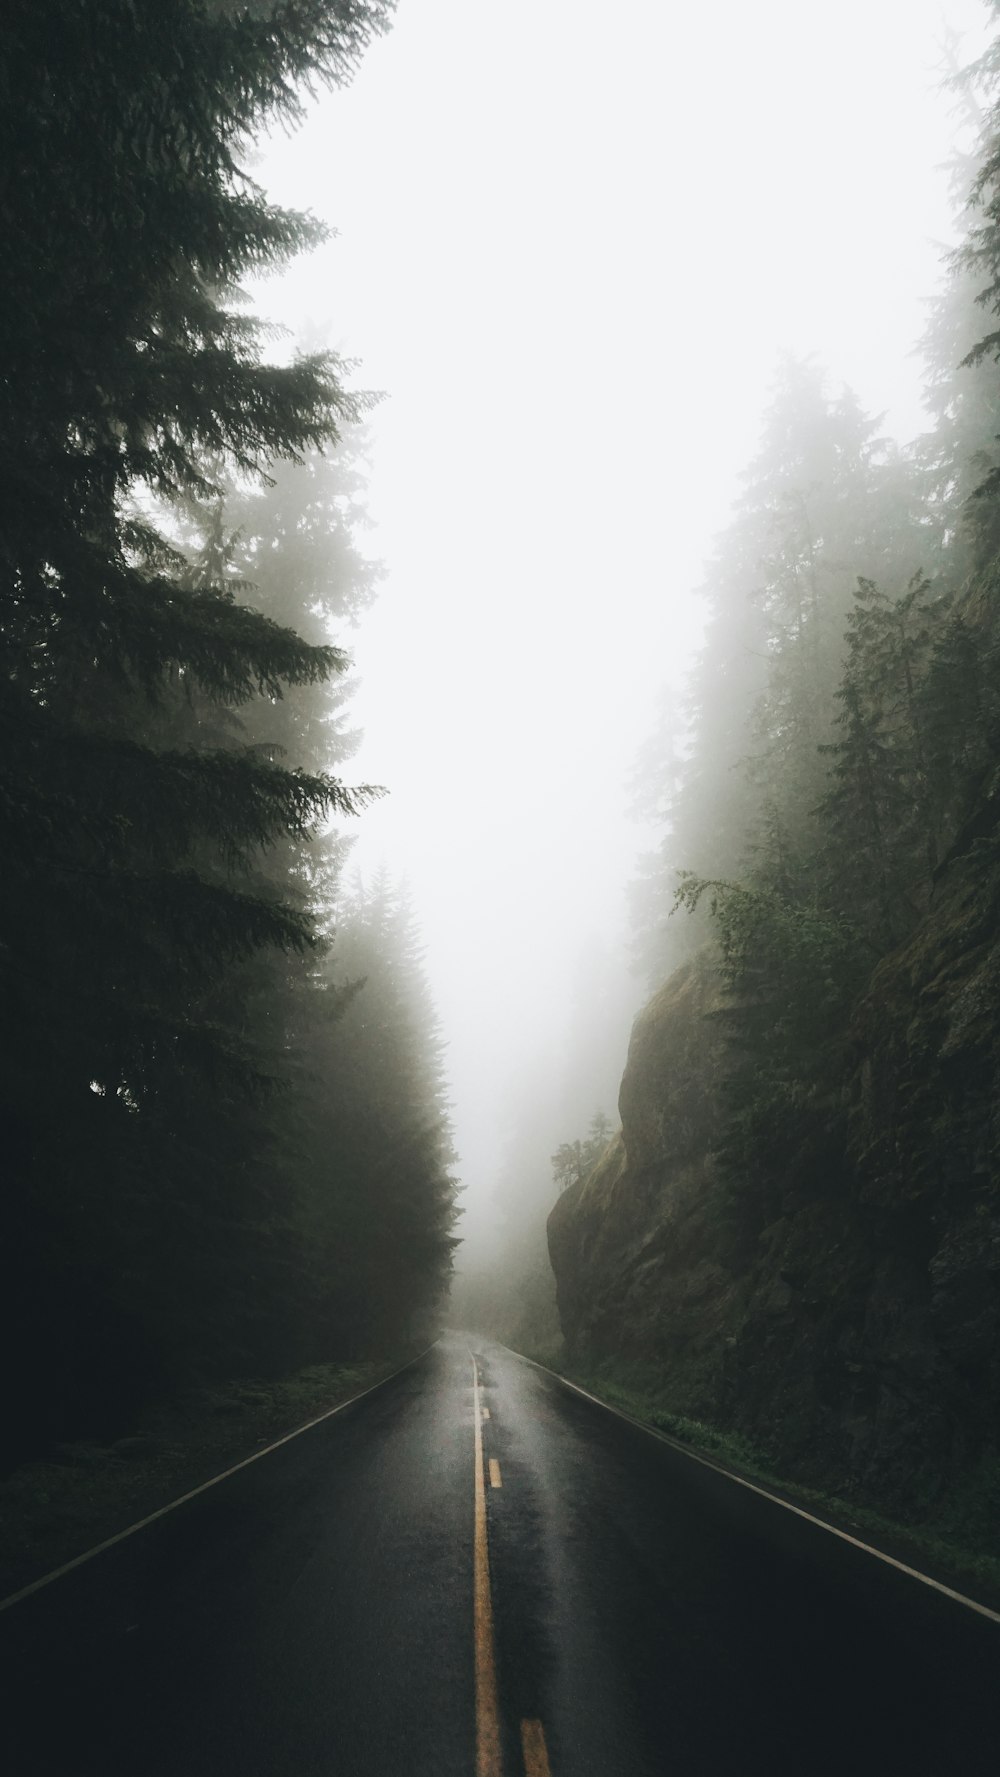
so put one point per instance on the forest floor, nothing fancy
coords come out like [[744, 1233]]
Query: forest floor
[[54, 1510], [955, 1542]]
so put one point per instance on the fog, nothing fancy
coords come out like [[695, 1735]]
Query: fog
[[571, 245]]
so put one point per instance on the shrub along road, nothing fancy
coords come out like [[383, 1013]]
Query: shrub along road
[[474, 1572]]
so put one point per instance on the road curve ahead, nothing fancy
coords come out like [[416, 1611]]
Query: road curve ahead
[[474, 1572]]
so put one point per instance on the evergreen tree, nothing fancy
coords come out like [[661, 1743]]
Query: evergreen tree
[[792, 971], [823, 813], [825, 500], [383, 1188], [135, 811], [883, 810], [572, 1160], [959, 693]]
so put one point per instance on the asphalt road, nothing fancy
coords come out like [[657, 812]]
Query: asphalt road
[[321, 1612]]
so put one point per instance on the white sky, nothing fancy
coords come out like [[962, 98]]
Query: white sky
[[572, 240]]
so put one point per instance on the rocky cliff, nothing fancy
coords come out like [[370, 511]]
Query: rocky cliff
[[854, 1335]]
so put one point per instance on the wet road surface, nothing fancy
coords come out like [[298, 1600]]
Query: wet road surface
[[605, 1608]]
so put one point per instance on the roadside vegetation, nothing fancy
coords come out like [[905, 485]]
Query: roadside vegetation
[[56, 1508]]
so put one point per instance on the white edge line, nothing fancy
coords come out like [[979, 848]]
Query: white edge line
[[161, 1512], [913, 1573]]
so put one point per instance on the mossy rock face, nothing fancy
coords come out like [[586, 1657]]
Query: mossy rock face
[[856, 1336], [640, 1270], [669, 1099]]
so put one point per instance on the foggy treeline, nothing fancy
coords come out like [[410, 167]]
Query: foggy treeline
[[831, 764], [840, 745], [792, 1245], [225, 1148]]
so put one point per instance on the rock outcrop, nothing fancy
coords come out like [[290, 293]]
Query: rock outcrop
[[855, 1335]]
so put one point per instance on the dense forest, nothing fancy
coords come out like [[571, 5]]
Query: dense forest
[[798, 1230], [225, 1144], [222, 1110], [839, 763]]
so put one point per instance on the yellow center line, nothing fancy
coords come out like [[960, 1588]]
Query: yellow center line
[[536, 1753], [488, 1762], [495, 1480]]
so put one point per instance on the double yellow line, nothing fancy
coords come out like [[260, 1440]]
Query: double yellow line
[[489, 1761]]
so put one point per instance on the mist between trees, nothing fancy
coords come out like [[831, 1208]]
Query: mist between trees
[[826, 792], [224, 1140]]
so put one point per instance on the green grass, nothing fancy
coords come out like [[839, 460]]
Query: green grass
[[54, 1510], [957, 1540]]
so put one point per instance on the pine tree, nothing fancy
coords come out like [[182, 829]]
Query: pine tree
[[572, 1160], [382, 1184], [825, 500], [963, 682], [882, 810], [134, 810]]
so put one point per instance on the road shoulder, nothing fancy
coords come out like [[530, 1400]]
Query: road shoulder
[[974, 1576], [85, 1493]]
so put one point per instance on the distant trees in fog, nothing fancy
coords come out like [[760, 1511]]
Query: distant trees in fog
[[572, 1160], [842, 736]]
